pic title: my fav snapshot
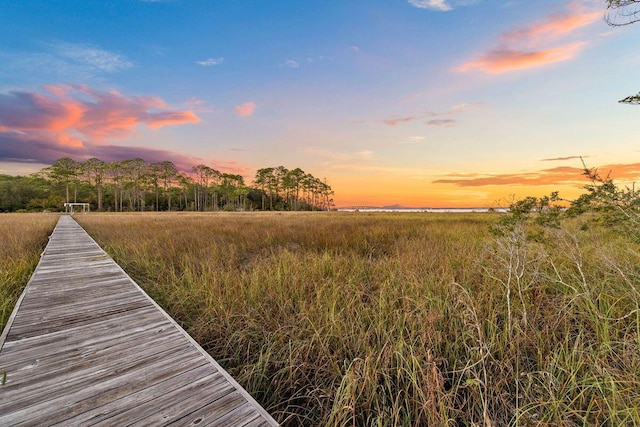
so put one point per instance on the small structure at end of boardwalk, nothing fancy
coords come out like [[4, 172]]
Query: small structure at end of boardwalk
[[72, 208], [86, 345]]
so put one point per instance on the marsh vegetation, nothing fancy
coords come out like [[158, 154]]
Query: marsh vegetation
[[402, 319], [22, 239]]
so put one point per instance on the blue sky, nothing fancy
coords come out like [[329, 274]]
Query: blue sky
[[415, 102]]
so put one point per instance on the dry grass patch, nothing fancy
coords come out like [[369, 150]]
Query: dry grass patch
[[22, 237], [394, 319]]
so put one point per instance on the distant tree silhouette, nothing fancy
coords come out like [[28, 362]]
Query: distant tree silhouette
[[135, 185]]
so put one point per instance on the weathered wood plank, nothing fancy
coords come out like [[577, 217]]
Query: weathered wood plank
[[146, 413], [238, 416], [107, 326], [85, 345], [127, 397], [31, 328], [258, 422], [115, 388], [69, 359], [60, 385]]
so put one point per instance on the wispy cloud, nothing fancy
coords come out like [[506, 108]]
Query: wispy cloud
[[441, 122], [553, 27], [411, 140], [290, 63], [544, 42], [440, 5], [76, 120], [65, 61], [556, 159], [510, 4], [92, 56], [504, 60], [465, 106], [559, 175], [562, 175], [446, 119], [246, 109], [198, 105], [395, 121], [210, 61]]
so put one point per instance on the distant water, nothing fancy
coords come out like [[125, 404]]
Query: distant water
[[431, 210]]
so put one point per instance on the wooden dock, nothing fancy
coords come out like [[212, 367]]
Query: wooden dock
[[86, 346]]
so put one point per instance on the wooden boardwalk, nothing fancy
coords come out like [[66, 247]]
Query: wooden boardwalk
[[86, 346]]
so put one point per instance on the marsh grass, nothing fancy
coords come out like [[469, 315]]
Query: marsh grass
[[22, 239], [392, 319]]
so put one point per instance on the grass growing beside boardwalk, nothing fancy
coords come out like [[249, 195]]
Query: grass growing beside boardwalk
[[392, 319], [22, 239]]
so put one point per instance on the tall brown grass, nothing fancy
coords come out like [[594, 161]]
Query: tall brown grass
[[22, 239], [378, 319]]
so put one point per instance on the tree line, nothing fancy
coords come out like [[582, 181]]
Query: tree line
[[135, 185]]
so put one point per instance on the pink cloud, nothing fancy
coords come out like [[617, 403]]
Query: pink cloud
[[542, 43], [66, 140], [76, 121], [397, 121], [553, 27], [93, 114], [504, 60], [113, 115], [24, 111], [245, 110], [57, 90]]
